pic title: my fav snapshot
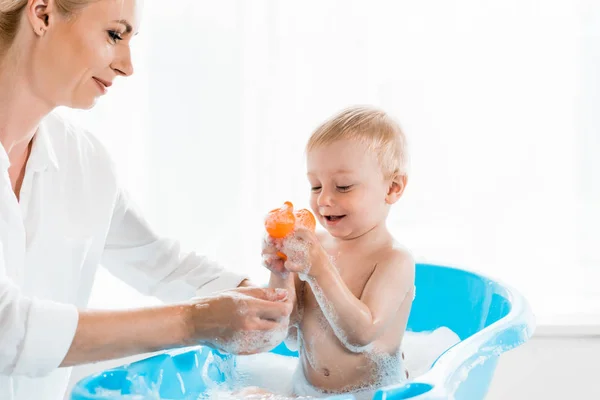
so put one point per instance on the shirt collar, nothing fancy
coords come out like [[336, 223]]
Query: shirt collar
[[42, 154]]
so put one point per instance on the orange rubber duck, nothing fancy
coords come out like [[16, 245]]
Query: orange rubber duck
[[282, 221]]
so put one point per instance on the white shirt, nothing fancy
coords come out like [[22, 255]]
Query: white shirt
[[73, 216]]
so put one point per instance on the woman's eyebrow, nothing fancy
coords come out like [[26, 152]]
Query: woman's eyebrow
[[128, 27]]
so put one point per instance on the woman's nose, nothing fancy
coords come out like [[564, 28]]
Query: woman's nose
[[122, 64]]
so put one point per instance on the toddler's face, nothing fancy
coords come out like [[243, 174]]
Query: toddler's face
[[348, 189]]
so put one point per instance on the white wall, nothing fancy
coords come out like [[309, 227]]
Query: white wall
[[502, 125], [549, 368]]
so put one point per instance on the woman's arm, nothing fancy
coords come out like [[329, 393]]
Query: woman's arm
[[38, 336], [155, 265], [104, 335], [35, 334], [214, 321]]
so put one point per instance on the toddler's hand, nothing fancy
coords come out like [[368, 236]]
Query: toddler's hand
[[271, 260], [305, 253]]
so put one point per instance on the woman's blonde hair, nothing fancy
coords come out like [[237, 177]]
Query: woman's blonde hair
[[370, 126], [12, 10]]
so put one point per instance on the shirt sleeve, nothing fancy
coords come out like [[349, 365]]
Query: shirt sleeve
[[35, 335], [155, 265]]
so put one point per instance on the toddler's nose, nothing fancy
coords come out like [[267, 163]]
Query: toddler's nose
[[325, 199]]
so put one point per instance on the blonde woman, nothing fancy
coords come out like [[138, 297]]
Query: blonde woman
[[62, 213]]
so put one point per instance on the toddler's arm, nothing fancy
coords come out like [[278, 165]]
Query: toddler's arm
[[287, 280], [358, 322], [291, 283]]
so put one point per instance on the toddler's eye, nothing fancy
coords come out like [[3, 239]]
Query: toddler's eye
[[315, 188], [344, 188]]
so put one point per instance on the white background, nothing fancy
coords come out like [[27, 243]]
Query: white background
[[499, 101]]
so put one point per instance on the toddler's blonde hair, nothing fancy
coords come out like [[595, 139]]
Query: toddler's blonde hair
[[372, 127]]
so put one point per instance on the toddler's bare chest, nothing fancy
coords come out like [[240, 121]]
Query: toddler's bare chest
[[355, 273]]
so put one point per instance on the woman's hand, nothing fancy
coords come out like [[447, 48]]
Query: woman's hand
[[240, 321]]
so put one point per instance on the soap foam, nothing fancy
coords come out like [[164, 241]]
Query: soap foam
[[296, 251], [332, 318], [252, 341], [274, 372], [421, 349]]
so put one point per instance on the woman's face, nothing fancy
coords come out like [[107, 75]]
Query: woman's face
[[76, 58]]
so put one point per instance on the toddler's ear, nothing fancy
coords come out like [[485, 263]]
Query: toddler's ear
[[397, 185]]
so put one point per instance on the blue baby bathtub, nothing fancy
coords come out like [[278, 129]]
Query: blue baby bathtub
[[490, 318]]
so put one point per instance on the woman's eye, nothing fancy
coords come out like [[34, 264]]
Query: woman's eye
[[114, 36]]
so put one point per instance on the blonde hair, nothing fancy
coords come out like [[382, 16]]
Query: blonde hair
[[12, 10], [370, 126]]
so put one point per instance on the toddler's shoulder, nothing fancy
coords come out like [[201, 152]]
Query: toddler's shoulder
[[398, 258]]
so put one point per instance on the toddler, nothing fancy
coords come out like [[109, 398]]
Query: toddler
[[352, 285]]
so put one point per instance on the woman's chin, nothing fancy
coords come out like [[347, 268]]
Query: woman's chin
[[82, 103], [88, 104]]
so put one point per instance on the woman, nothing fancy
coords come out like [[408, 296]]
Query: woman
[[62, 213]]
